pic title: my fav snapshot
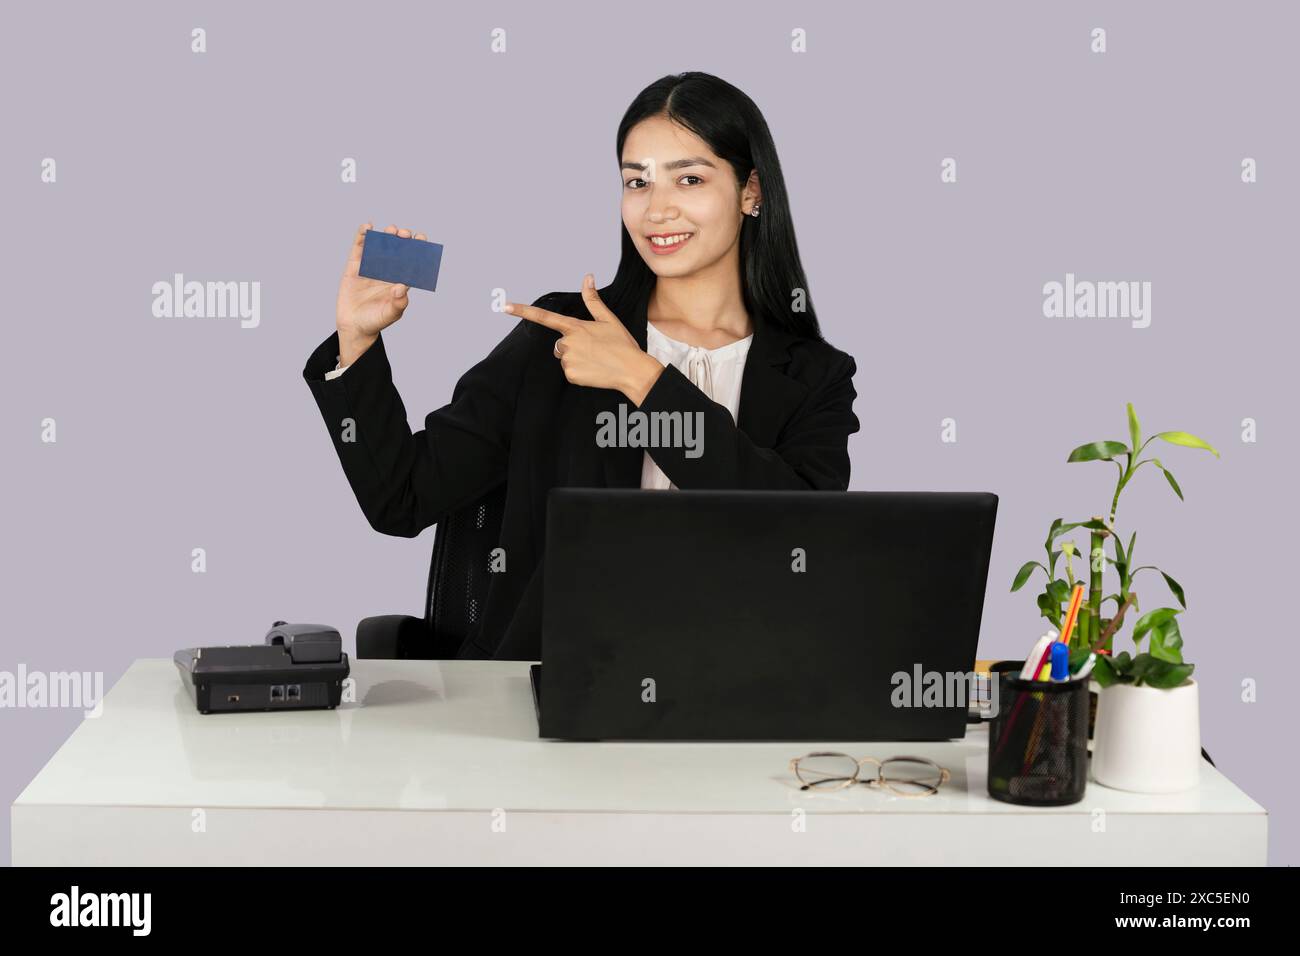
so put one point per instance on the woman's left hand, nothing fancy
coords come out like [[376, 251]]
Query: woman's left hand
[[598, 354]]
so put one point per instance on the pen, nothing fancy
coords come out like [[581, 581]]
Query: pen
[[1043, 663], [1076, 599], [1034, 662], [1060, 663], [1086, 669]]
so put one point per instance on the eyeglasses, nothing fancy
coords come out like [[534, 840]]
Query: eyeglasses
[[901, 776]]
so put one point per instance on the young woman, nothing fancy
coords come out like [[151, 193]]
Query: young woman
[[708, 316]]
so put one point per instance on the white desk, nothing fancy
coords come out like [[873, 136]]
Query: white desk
[[439, 763]]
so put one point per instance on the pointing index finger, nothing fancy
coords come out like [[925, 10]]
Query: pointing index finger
[[552, 320]]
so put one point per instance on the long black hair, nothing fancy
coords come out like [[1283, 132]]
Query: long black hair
[[734, 129]]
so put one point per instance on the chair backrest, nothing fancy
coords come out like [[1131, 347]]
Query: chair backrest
[[459, 572]]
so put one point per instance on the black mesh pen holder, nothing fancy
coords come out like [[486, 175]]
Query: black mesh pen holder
[[1038, 740]]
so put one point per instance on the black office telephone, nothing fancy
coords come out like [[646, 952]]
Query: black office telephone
[[297, 667]]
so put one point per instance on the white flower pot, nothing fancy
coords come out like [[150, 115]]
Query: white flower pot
[[1148, 739]]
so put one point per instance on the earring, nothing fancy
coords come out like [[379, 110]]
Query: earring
[[754, 212]]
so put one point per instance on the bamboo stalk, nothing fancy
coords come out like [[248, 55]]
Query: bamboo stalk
[[1095, 568]]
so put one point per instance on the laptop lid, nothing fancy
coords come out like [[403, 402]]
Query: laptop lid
[[756, 615]]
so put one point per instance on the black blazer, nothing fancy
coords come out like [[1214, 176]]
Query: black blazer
[[514, 417]]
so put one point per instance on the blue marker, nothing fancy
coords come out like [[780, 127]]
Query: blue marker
[[1060, 662]]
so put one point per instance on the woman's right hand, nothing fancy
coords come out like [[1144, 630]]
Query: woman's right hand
[[366, 307]]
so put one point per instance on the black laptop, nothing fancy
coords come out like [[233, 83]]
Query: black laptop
[[761, 615]]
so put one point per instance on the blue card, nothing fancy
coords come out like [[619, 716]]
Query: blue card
[[391, 258]]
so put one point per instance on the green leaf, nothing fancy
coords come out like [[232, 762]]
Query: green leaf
[[1143, 666], [1150, 670], [1104, 671], [1022, 575], [1158, 617], [1121, 564], [1113, 669], [1146, 567], [1059, 591], [1052, 533], [1050, 609], [1099, 451], [1077, 656], [1169, 476], [1171, 675], [1186, 440], [1125, 575], [1167, 642], [1059, 529], [1176, 588], [1134, 429]]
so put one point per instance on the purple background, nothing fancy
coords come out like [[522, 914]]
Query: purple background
[[183, 433]]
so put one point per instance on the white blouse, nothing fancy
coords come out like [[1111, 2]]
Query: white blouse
[[715, 372]]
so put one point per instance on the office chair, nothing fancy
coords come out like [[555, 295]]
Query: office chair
[[454, 600]]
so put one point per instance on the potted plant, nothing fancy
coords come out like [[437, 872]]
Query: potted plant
[[1147, 735]]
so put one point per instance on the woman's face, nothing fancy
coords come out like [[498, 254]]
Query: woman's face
[[674, 186]]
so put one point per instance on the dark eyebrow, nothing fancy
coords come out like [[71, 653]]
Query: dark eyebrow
[[675, 164]]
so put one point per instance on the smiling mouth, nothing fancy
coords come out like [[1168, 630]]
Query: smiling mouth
[[669, 242]]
